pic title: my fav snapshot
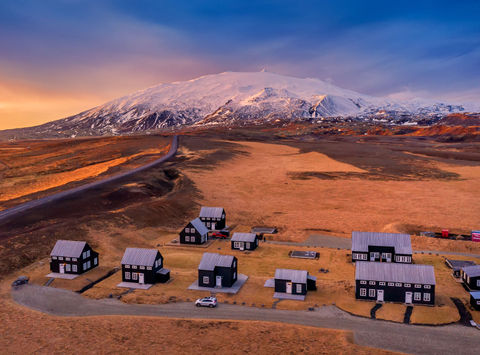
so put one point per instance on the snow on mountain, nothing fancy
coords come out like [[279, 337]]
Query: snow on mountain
[[230, 98]]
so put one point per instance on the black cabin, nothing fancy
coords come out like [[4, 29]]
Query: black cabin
[[457, 265], [143, 266], [72, 257], [216, 270], [475, 300], [393, 282], [214, 218], [471, 277], [295, 282], [194, 232], [244, 241], [383, 247]]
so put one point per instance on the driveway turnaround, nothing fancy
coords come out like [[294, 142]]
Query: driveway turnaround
[[380, 334], [20, 209]]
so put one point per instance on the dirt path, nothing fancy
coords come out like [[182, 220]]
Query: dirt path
[[18, 210], [379, 334]]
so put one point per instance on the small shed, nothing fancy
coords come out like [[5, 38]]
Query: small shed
[[384, 247], [244, 241], [217, 270], [295, 282], [195, 232], [143, 266], [72, 257], [475, 236], [471, 277], [214, 218], [475, 300], [457, 265]]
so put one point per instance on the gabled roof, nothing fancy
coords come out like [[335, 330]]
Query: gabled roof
[[211, 260], [395, 272], [139, 256], [68, 248], [244, 237], [297, 276], [458, 264], [472, 271], [401, 242], [199, 226], [211, 212]]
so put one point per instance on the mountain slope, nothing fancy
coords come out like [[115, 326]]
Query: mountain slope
[[229, 98]]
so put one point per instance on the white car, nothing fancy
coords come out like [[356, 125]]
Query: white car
[[206, 302]]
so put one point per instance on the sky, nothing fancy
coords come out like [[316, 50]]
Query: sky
[[61, 57]]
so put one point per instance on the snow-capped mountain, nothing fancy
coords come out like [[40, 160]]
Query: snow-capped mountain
[[233, 98]]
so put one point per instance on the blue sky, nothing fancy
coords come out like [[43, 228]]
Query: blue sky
[[73, 54]]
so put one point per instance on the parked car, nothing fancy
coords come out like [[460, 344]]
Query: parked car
[[22, 280], [221, 235], [206, 302]]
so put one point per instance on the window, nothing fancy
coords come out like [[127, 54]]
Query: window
[[398, 284], [192, 239], [478, 302], [134, 275], [407, 285], [354, 256], [371, 282], [74, 259], [74, 268], [68, 267], [60, 258], [418, 286], [299, 288], [363, 292], [127, 275], [187, 238], [84, 266], [381, 283], [363, 282], [234, 275], [134, 266], [67, 259], [234, 263], [206, 280], [417, 296], [88, 253], [364, 257], [237, 245], [149, 268], [95, 261], [427, 287], [426, 297], [187, 230], [127, 266], [478, 283], [371, 292], [208, 224], [391, 284], [84, 254], [142, 267], [89, 264], [54, 257]]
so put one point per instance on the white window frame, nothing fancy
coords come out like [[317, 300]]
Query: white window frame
[[478, 283], [68, 267], [135, 276], [95, 261], [88, 253], [134, 267], [398, 284], [237, 245], [89, 264], [74, 268], [299, 288], [54, 258], [391, 284], [60, 258], [407, 285], [206, 279], [192, 239], [84, 254], [363, 282], [418, 286], [382, 283], [371, 292], [74, 259], [363, 292], [142, 267], [426, 297], [417, 296], [187, 230], [373, 283], [127, 275], [428, 287], [67, 259], [187, 238], [127, 266], [149, 268]]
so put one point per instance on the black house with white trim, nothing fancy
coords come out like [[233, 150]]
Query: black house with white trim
[[143, 266], [457, 265], [72, 257], [295, 282], [471, 277], [244, 241], [475, 300], [214, 218], [383, 247], [394, 282], [216, 270], [194, 232]]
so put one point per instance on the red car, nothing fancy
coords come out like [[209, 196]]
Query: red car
[[219, 235]]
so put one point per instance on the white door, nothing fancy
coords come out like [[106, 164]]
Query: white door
[[379, 295], [62, 268], [141, 278], [213, 226], [372, 256], [218, 282], [289, 287], [242, 246], [408, 297]]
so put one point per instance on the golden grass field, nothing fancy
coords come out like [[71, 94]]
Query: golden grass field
[[259, 185]]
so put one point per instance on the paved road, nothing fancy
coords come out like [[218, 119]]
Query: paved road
[[451, 339], [17, 210], [329, 241]]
